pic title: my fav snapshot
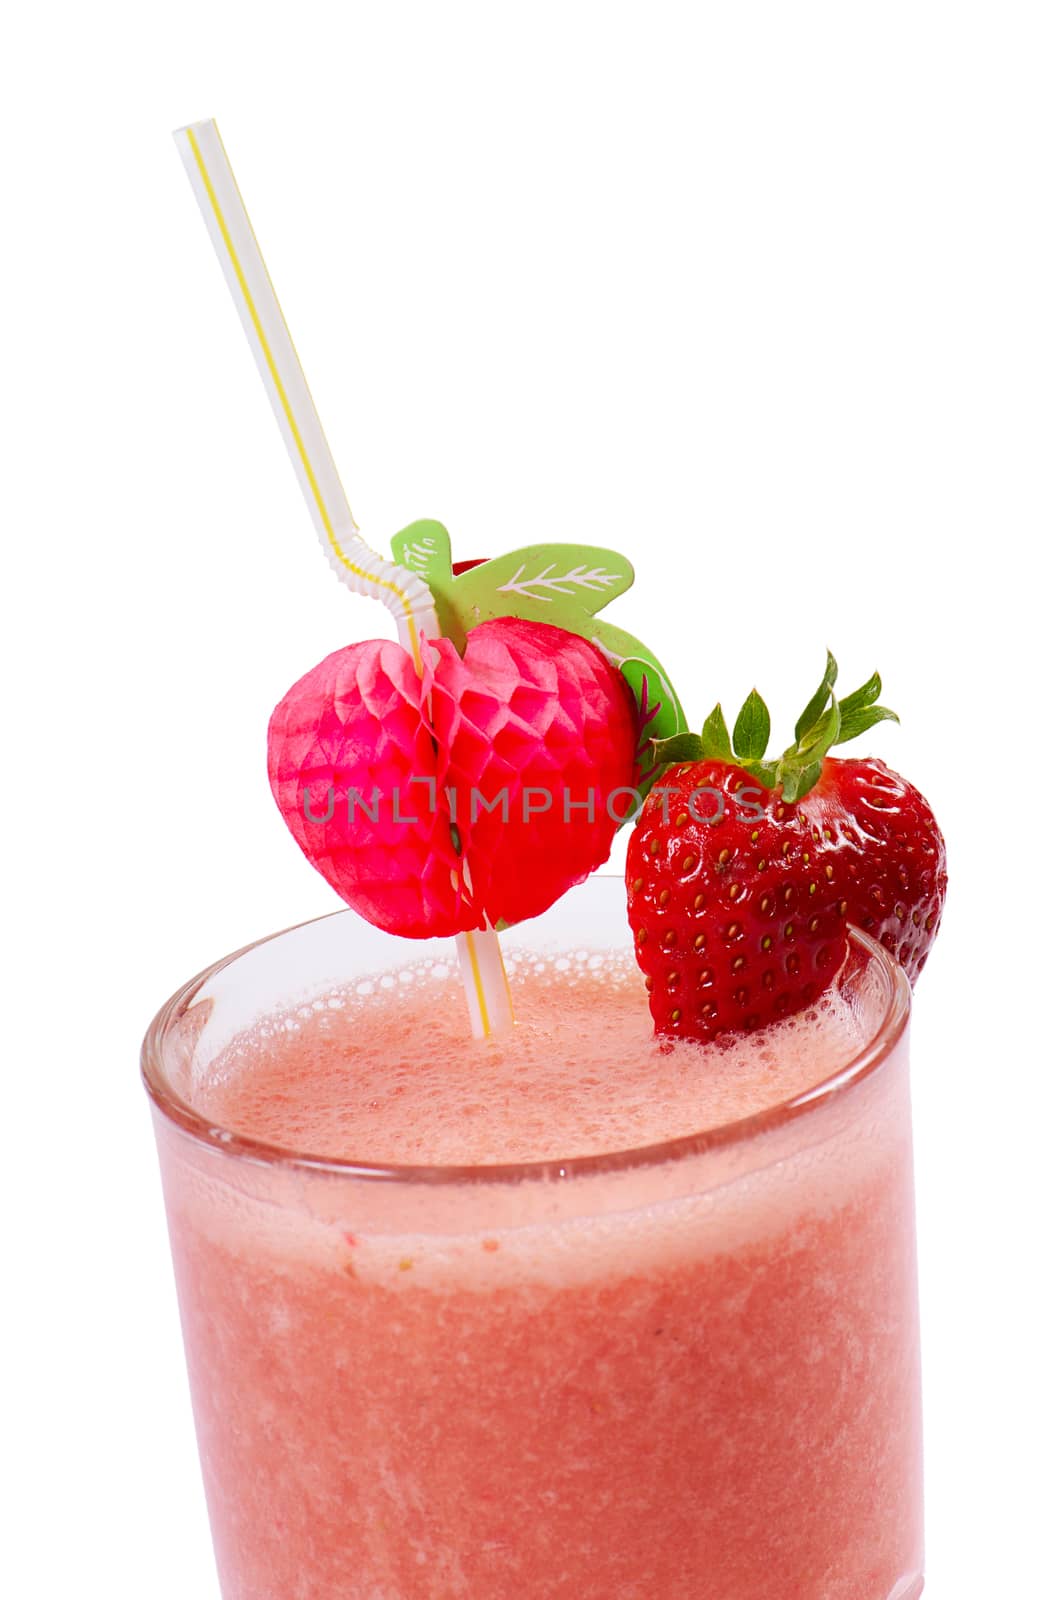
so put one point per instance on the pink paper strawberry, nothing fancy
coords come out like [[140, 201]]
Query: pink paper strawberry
[[354, 726], [479, 793], [481, 789]]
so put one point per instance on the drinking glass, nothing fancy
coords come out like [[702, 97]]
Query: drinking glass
[[675, 1372]]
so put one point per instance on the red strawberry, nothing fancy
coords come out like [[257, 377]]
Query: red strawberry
[[532, 719], [743, 875]]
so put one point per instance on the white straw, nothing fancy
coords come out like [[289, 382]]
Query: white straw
[[404, 594]]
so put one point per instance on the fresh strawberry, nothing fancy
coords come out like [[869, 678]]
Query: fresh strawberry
[[743, 874], [531, 720]]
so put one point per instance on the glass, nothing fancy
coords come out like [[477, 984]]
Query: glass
[[682, 1371]]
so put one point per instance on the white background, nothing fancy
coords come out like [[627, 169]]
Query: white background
[[765, 296]]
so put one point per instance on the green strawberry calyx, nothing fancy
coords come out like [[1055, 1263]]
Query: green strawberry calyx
[[826, 721]]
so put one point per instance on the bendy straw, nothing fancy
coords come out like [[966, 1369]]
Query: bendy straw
[[404, 594]]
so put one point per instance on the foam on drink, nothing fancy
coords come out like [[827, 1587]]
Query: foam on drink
[[383, 1071]]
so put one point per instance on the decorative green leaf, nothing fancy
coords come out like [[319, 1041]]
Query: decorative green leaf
[[659, 711], [716, 743], [424, 548], [557, 583], [856, 722], [658, 706], [820, 699], [562, 584], [750, 736]]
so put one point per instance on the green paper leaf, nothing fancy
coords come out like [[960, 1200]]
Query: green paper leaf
[[562, 584], [557, 583], [750, 735], [424, 548], [820, 699], [716, 743], [658, 707], [659, 711]]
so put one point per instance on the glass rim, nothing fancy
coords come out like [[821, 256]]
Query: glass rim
[[245, 1147]]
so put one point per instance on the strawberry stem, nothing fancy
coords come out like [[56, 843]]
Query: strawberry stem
[[824, 722]]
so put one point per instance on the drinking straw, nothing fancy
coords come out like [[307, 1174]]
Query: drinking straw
[[404, 594]]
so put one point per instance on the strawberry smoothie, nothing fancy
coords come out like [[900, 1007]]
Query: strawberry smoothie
[[469, 1351]]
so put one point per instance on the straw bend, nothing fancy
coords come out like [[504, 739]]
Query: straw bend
[[403, 593]]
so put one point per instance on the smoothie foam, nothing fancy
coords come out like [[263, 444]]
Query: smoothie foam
[[384, 1071]]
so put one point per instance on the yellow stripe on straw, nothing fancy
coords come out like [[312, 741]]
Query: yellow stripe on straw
[[485, 978], [476, 978], [404, 593], [288, 411]]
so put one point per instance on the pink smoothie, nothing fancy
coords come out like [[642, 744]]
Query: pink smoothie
[[691, 1378]]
